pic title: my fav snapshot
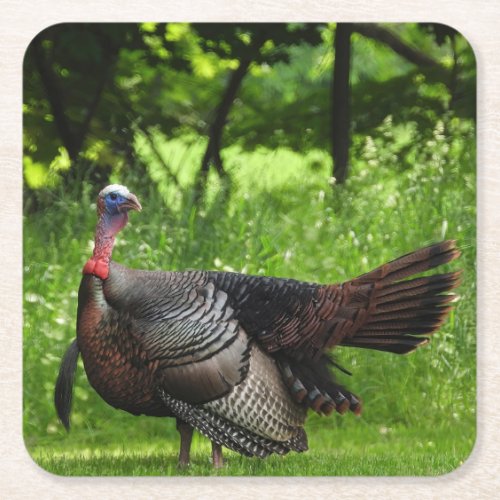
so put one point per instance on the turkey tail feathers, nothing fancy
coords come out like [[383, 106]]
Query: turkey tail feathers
[[401, 310], [63, 394], [413, 263]]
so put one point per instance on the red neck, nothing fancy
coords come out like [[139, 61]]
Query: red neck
[[106, 229]]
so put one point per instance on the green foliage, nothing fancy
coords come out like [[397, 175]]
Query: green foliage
[[284, 217], [383, 83], [111, 80]]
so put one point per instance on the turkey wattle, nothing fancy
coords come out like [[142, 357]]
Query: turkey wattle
[[239, 358]]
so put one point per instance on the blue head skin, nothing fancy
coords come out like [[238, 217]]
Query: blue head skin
[[113, 205], [115, 201]]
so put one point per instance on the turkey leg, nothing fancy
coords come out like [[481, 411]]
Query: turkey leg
[[217, 459], [186, 434]]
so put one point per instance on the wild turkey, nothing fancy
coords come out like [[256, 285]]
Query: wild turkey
[[240, 358]]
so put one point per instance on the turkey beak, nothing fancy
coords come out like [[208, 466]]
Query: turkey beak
[[131, 203]]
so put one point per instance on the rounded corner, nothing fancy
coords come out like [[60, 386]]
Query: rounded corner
[[463, 461], [36, 35], [467, 41], [35, 461]]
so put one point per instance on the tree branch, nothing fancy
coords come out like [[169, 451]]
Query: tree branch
[[71, 139], [154, 148], [388, 38], [92, 107]]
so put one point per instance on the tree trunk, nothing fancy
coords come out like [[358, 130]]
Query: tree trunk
[[340, 101], [212, 153], [452, 86]]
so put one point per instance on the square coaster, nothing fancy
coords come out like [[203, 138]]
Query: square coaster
[[307, 199]]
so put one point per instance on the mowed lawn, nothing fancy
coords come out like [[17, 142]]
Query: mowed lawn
[[281, 217], [354, 450]]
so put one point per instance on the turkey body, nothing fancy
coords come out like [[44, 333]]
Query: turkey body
[[184, 336], [240, 358], [248, 351]]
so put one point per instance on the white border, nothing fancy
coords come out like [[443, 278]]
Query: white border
[[479, 477]]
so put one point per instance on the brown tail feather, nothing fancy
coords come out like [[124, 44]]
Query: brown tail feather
[[437, 283], [412, 263], [422, 314], [401, 344], [399, 312]]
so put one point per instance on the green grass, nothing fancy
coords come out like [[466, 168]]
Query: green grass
[[283, 218], [354, 453], [127, 463]]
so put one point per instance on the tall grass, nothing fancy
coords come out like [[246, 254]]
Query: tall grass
[[282, 216]]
